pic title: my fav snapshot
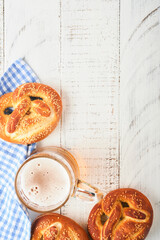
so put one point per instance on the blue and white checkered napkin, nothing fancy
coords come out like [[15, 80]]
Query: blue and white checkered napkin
[[14, 221]]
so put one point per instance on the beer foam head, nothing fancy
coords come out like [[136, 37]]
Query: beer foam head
[[45, 181]]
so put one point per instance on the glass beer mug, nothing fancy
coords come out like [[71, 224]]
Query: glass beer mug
[[48, 178]]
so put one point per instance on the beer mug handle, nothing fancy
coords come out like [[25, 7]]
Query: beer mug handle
[[86, 191]]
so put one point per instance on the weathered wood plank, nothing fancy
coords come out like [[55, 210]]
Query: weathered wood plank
[[90, 84], [140, 101]]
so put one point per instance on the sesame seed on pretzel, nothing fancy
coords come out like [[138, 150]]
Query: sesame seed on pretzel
[[36, 111], [128, 216], [53, 226]]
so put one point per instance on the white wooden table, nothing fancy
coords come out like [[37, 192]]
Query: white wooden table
[[110, 119]]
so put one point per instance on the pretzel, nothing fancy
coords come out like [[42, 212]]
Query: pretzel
[[53, 226], [36, 111], [128, 216]]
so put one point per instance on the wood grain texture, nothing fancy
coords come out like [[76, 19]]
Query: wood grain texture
[[140, 101], [90, 84], [74, 47]]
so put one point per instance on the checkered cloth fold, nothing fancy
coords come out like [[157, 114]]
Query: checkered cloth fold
[[14, 220]]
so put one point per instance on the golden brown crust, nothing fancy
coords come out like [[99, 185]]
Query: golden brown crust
[[32, 119], [53, 226], [129, 216]]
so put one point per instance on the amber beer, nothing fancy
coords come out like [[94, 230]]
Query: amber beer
[[45, 182], [48, 178]]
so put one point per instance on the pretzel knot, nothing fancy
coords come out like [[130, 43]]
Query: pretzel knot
[[124, 214], [53, 226], [36, 112]]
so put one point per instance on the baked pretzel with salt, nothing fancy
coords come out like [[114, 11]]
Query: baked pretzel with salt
[[36, 111], [123, 214], [53, 226]]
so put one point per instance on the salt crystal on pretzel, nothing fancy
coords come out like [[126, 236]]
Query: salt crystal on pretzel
[[37, 109], [128, 215]]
